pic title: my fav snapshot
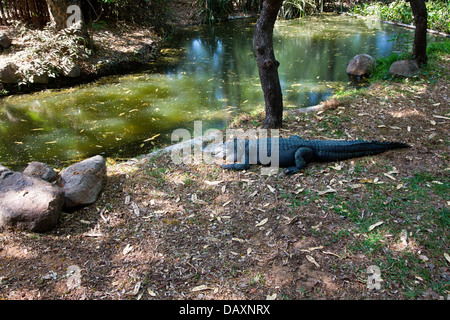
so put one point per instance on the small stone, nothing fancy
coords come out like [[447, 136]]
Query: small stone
[[72, 71], [8, 73], [5, 41], [40, 170]]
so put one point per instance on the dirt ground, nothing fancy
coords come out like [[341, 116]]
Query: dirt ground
[[162, 230]]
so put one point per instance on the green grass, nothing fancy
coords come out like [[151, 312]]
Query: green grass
[[434, 52]]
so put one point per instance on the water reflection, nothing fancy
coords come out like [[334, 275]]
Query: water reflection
[[205, 73]]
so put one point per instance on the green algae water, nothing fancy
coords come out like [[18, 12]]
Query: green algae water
[[205, 73]]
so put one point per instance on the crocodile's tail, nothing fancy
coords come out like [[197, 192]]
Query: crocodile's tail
[[342, 150]]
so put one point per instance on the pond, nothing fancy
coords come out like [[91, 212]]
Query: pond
[[205, 73]]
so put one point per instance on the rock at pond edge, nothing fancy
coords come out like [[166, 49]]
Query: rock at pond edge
[[28, 203], [82, 182]]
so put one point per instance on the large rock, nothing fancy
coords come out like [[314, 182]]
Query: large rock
[[40, 170], [361, 65], [28, 203], [71, 71], [404, 68], [40, 78], [8, 72], [5, 42], [83, 181]]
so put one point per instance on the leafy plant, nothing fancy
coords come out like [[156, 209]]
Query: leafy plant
[[49, 52], [400, 11], [298, 8], [212, 11]]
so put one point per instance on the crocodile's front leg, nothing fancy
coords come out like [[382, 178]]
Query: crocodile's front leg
[[241, 159], [236, 166], [301, 157]]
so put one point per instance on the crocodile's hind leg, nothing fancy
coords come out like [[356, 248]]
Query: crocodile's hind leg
[[302, 155]]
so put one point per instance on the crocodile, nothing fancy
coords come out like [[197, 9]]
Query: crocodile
[[294, 153]]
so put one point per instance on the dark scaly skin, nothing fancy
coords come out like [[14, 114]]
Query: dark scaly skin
[[295, 153]]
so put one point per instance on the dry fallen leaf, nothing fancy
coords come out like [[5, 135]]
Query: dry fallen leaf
[[389, 176], [262, 222], [312, 260], [271, 297], [194, 199], [200, 288], [151, 293], [332, 253], [136, 289], [336, 167], [127, 249], [375, 225], [447, 257], [213, 183], [329, 190]]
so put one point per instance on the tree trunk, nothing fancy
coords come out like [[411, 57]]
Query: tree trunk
[[62, 19], [267, 65], [58, 12], [419, 11]]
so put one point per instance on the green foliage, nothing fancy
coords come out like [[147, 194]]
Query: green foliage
[[212, 11], [247, 6], [441, 47], [297, 8], [400, 11], [381, 71], [151, 12], [300, 8]]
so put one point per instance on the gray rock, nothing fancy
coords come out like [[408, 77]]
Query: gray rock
[[8, 73], [40, 78], [404, 68], [361, 65], [3, 169], [28, 203], [5, 41], [83, 181], [40, 170], [72, 71]]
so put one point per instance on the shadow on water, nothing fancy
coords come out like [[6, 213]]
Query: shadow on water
[[204, 73]]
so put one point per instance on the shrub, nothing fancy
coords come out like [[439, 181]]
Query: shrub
[[298, 8], [400, 11], [49, 52]]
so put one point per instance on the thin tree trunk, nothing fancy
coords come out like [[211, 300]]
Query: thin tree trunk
[[267, 64], [58, 11], [419, 11]]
